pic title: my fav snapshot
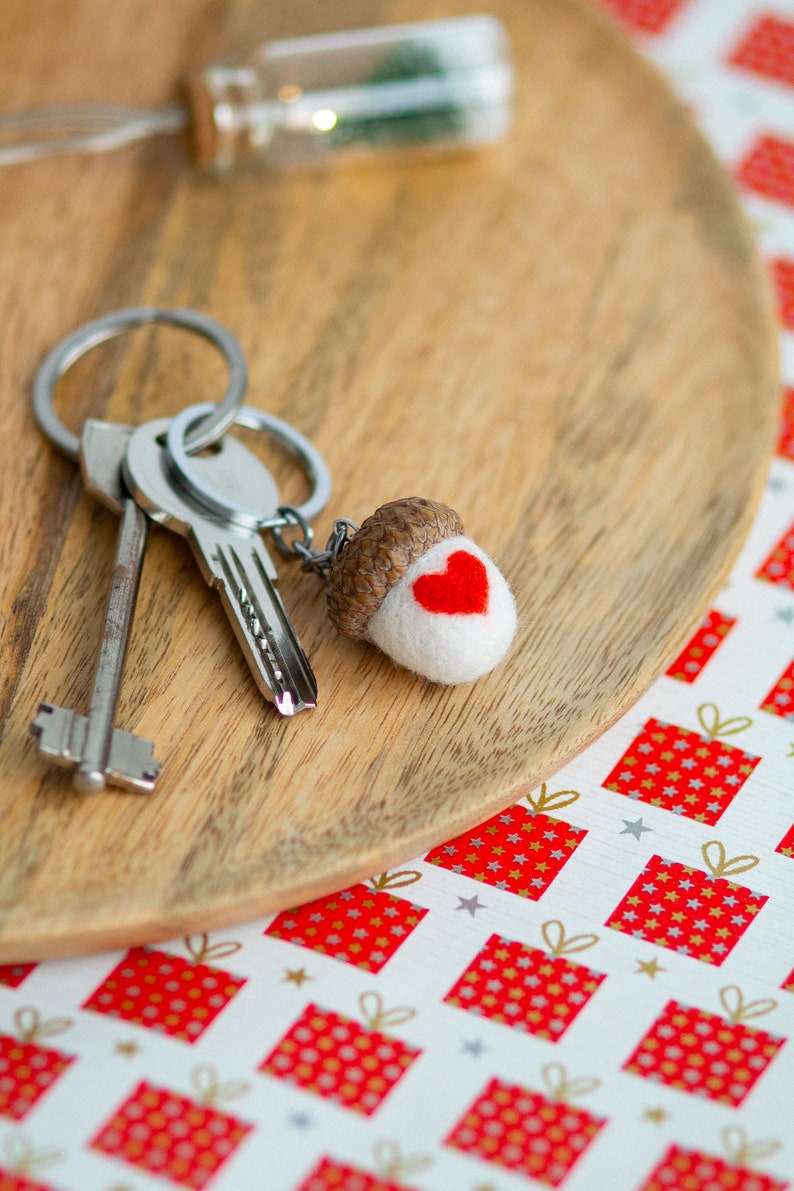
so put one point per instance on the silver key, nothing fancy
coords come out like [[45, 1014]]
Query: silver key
[[231, 557], [99, 752]]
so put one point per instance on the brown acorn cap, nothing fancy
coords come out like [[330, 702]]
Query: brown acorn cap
[[377, 556]]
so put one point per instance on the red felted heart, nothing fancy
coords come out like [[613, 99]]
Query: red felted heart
[[461, 589]]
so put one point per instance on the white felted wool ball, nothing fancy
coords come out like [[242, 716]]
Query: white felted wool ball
[[451, 617]]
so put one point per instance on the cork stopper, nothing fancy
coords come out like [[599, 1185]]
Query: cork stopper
[[378, 555], [230, 120]]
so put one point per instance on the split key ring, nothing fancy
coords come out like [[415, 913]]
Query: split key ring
[[218, 417], [179, 448]]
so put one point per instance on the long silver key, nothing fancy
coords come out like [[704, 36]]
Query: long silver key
[[231, 558], [98, 752]]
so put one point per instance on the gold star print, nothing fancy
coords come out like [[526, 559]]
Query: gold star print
[[128, 1049], [648, 967], [656, 1116], [296, 976]]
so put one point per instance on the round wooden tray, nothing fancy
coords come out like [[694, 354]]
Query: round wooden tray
[[567, 338]]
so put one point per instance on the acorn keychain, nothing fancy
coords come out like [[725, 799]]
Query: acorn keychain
[[407, 580], [411, 583]]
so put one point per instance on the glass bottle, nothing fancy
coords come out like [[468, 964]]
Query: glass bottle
[[428, 85]]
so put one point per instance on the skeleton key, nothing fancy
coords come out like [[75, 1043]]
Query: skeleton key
[[231, 556], [100, 752]]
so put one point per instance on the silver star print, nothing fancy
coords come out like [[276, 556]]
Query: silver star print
[[470, 904], [473, 1047], [300, 1120], [636, 828]]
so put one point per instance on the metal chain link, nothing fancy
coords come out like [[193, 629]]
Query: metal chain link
[[311, 559]]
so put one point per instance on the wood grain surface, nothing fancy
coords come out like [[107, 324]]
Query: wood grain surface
[[567, 338]]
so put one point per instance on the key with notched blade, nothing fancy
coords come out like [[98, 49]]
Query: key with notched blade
[[231, 557], [97, 751]]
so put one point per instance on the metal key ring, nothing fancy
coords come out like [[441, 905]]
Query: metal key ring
[[219, 417], [213, 501]]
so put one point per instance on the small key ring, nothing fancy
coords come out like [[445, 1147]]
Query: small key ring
[[213, 501], [219, 417]]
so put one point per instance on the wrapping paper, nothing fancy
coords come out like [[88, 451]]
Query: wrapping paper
[[594, 989]]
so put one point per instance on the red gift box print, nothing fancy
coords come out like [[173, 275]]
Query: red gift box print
[[539, 991], [12, 975], [9, 1181], [539, 1135], [780, 700], [786, 845], [768, 169], [184, 1139], [785, 445], [337, 1176], [689, 773], [393, 1168], [707, 1054], [696, 913], [646, 16], [705, 643], [783, 281], [779, 566], [768, 49], [520, 850], [27, 1069], [363, 925], [340, 1059], [692, 1170], [20, 1165], [164, 992]]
